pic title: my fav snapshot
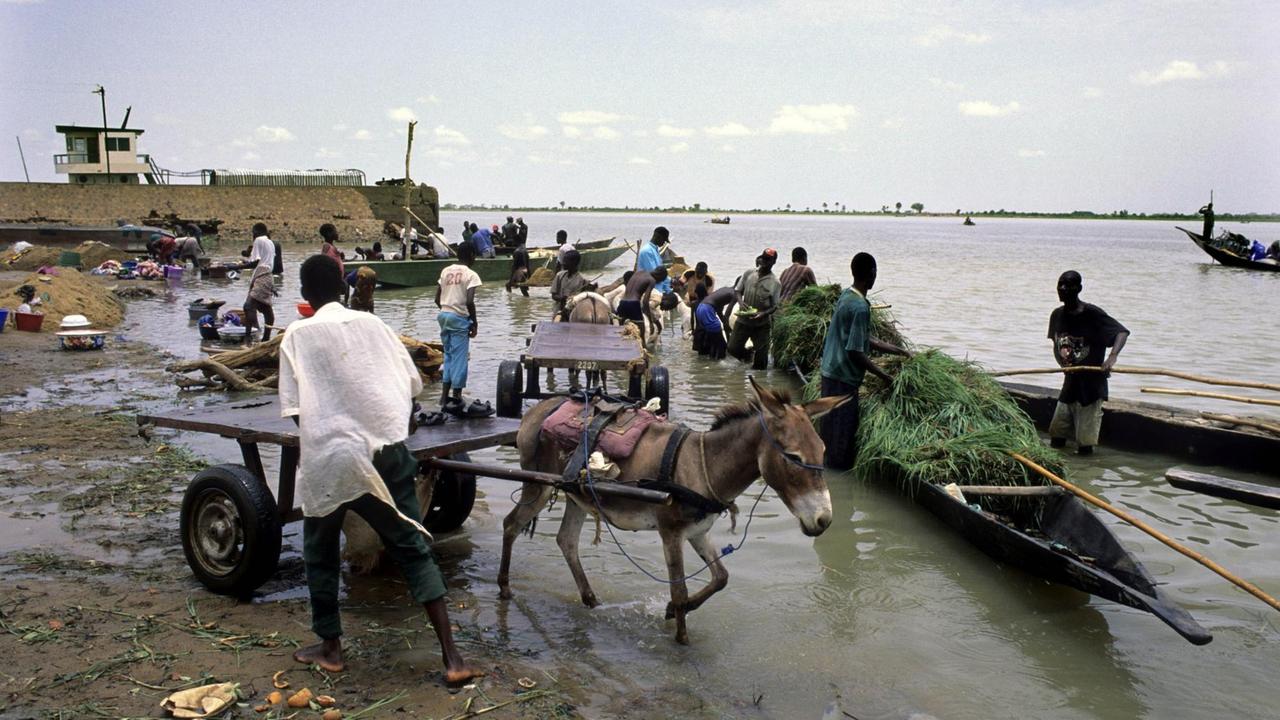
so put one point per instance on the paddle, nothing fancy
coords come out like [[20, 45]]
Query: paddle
[[1145, 371], [1218, 396], [1098, 502], [429, 228]]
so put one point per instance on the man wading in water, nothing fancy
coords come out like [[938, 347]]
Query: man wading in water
[[845, 363], [351, 433], [636, 305], [1081, 334]]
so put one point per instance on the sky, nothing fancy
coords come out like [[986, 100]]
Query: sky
[[1038, 106]]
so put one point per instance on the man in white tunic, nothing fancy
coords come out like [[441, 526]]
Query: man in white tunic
[[353, 456]]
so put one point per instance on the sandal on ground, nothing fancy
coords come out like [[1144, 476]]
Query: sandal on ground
[[427, 419], [478, 409], [453, 406]]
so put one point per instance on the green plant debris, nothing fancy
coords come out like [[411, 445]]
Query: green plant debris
[[944, 420], [48, 563], [145, 488], [800, 328]]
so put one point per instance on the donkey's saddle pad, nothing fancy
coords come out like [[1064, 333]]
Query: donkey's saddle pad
[[568, 423]]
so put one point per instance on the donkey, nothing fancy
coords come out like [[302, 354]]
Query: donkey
[[767, 437], [589, 307]]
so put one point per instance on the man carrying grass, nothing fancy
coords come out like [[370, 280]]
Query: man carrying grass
[[353, 457], [845, 362]]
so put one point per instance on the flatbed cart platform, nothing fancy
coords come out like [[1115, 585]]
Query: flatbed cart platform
[[231, 524], [578, 346]]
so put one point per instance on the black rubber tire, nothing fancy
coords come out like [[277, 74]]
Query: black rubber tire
[[510, 403], [451, 500], [659, 386], [633, 387], [224, 499]]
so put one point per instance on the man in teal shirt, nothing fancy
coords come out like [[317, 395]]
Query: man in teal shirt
[[845, 362], [650, 257]]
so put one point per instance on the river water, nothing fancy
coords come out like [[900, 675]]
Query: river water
[[888, 614]]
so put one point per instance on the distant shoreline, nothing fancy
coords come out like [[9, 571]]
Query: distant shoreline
[[1077, 215]]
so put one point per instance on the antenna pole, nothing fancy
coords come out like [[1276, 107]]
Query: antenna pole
[[106, 148], [24, 158]]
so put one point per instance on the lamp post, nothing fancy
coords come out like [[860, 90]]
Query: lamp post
[[106, 148]]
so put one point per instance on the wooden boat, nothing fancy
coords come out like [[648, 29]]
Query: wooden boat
[[1238, 490], [421, 273], [719, 220], [1229, 259], [1053, 535], [969, 221], [1140, 426], [131, 238], [580, 245]]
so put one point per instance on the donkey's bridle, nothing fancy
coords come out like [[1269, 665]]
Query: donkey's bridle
[[783, 451]]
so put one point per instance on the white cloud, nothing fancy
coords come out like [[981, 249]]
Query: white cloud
[[588, 117], [639, 161], [269, 134], [441, 152], [1026, 153], [939, 34], [605, 132], [427, 100], [566, 161], [982, 108], [325, 153], [812, 119], [732, 129], [1091, 92], [726, 148], [522, 132], [537, 159], [448, 136], [892, 123], [639, 133], [844, 148], [678, 147], [250, 156], [402, 114], [675, 132], [571, 131], [946, 84], [242, 143], [1184, 70], [339, 127], [362, 134]]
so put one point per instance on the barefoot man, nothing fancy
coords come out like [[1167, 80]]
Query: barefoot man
[[353, 457], [636, 303]]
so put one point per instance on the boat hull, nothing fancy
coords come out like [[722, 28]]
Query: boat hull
[[1140, 426], [132, 238], [423, 273], [1077, 550], [1226, 258]]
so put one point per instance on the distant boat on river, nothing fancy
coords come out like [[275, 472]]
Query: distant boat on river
[[969, 221], [1227, 257], [719, 220]]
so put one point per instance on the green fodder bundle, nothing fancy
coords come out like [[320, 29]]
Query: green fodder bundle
[[943, 420], [800, 328]]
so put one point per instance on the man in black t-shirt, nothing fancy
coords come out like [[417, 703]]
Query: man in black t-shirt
[[1081, 334]]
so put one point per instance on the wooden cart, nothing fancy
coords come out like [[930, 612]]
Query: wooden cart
[[578, 346], [231, 524]]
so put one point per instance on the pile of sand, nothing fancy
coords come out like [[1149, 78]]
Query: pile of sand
[[541, 277], [68, 293], [92, 254]]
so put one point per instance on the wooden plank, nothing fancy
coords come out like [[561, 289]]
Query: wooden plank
[[1246, 492], [257, 420], [573, 344], [1010, 489]]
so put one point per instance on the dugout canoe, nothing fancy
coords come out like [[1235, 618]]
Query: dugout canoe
[[1054, 536], [1229, 259], [1184, 434], [422, 273]]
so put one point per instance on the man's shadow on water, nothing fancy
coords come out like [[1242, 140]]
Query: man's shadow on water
[[1064, 641]]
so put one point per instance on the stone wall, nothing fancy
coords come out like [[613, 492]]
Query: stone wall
[[291, 213]]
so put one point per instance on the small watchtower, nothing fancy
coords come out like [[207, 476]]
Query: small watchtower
[[98, 155]]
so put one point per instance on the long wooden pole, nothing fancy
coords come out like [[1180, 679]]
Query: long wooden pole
[[1247, 422], [1098, 502], [1144, 371], [1218, 396], [408, 196], [447, 246], [627, 492]]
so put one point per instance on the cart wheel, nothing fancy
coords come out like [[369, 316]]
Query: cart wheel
[[451, 500], [230, 529], [659, 386], [633, 387], [510, 403]]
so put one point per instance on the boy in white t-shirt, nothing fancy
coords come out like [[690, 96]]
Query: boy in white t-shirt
[[456, 298]]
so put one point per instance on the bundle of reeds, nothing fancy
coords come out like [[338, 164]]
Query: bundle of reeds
[[800, 327], [944, 420]]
